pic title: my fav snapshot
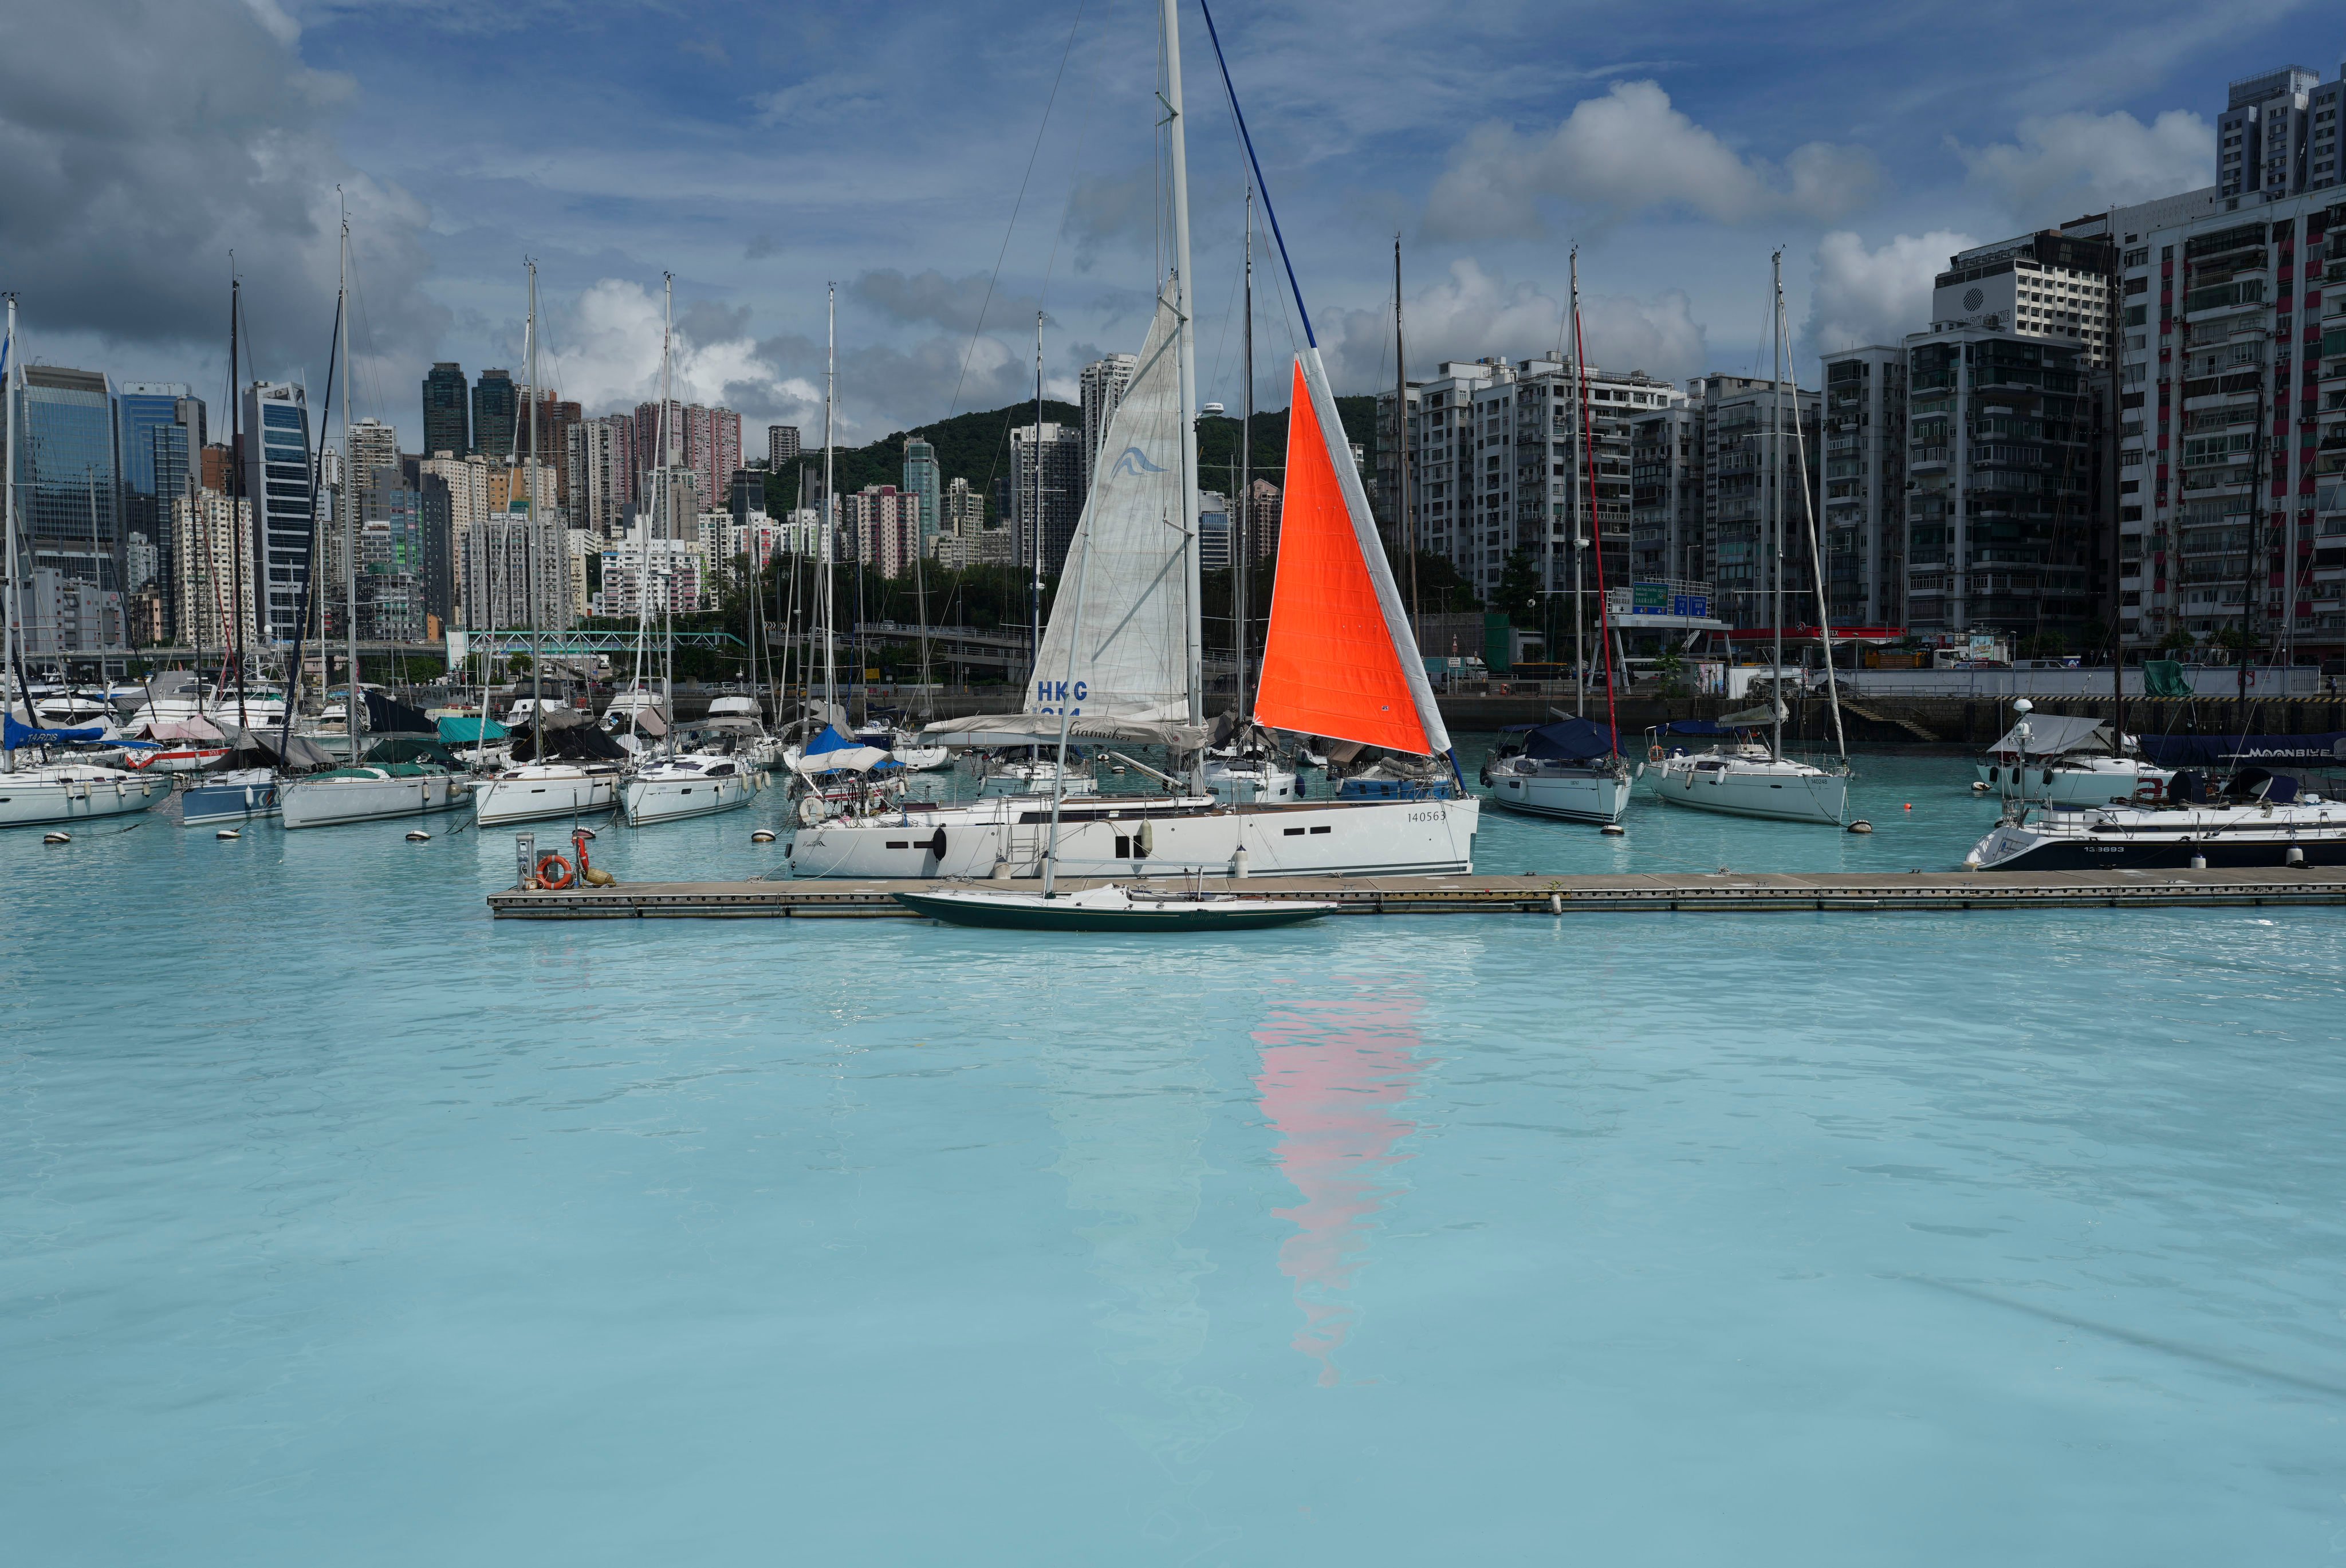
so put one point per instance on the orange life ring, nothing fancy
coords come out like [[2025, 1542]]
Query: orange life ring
[[554, 871], [1655, 754]]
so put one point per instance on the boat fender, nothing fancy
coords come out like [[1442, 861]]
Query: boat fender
[[1239, 862], [1143, 843], [554, 871], [597, 877], [937, 844]]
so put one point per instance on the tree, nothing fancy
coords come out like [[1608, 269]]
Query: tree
[[1519, 592]]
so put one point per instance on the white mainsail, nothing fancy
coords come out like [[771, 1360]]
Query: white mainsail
[[1130, 630]]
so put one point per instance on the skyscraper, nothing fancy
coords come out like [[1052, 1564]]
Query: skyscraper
[[65, 476], [922, 480], [447, 411], [1103, 383], [277, 478], [1057, 455], [495, 404], [374, 447], [162, 423], [782, 445]]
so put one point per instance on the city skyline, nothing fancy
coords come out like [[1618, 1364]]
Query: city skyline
[[1488, 141]]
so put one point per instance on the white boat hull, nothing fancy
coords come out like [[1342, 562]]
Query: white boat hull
[[1140, 836], [1803, 796], [643, 801], [499, 800], [27, 801], [331, 802], [2097, 782], [1577, 797]]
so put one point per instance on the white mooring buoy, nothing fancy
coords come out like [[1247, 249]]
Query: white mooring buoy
[[762, 835], [418, 836], [1613, 831], [56, 837], [1861, 826], [229, 833]]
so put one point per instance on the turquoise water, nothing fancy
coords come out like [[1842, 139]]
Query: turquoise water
[[338, 1224]]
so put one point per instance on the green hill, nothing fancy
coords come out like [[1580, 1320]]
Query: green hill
[[976, 447]]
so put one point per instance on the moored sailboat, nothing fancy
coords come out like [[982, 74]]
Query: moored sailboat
[[1339, 661]]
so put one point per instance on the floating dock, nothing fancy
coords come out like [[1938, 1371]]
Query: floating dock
[[1734, 893]]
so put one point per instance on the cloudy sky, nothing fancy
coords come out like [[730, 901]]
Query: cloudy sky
[[756, 151]]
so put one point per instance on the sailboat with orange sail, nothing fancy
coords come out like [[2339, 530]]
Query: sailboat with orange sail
[[1120, 661]]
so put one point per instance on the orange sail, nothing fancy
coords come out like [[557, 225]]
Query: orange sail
[[1337, 661]]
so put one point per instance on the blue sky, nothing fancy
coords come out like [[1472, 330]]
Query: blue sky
[[756, 151]]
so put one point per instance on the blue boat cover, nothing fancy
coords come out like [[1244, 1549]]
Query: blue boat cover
[[831, 739], [1571, 741], [2244, 751], [1692, 727], [14, 733]]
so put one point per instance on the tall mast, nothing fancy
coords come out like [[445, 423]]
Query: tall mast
[[350, 708], [1587, 468], [1816, 541], [1244, 517], [529, 550], [2113, 333], [668, 505], [1177, 136], [830, 512], [1596, 532], [1408, 522], [14, 670], [1776, 509], [1034, 523], [236, 529]]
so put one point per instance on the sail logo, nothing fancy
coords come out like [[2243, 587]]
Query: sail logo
[[1059, 692], [1131, 462]]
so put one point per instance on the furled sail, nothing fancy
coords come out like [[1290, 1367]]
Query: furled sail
[[1131, 652], [1339, 659]]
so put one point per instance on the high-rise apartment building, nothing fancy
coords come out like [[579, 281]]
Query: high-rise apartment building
[[602, 473], [1666, 536], [1497, 468], [447, 411], [509, 566], [496, 406], [2228, 513], [708, 440], [374, 450], [1756, 517], [162, 426], [2054, 285], [881, 526], [2002, 529], [556, 417], [782, 445], [923, 480], [1042, 494], [212, 554], [1102, 387], [1865, 439]]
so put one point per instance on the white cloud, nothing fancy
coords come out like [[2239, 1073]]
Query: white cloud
[[1470, 313], [2066, 165], [1858, 296], [612, 360], [1628, 152]]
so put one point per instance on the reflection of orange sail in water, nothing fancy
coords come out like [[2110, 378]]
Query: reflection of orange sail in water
[[1334, 1076]]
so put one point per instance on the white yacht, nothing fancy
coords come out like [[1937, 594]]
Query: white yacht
[[2069, 761], [371, 792], [578, 776], [1571, 769], [687, 784], [2259, 819]]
